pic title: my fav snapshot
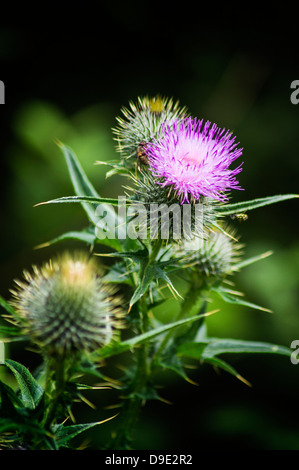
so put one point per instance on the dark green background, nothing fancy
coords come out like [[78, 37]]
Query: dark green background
[[70, 83]]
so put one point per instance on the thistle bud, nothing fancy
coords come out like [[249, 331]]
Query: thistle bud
[[141, 123], [65, 306], [214, 256]]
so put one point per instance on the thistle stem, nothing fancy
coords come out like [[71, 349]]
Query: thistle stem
[[190, 306], [133, 402], [54, 396]]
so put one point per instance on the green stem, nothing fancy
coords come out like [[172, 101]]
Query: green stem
[[133, 402], [191, 305], [54, 396]]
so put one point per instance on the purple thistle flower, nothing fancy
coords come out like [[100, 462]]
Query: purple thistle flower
[[194, 157]]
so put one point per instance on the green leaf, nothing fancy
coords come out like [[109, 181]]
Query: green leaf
[[64, 434], [22, 425], [6, 306], [118, 273], [8, 395], [221, 346], [8, 331], [253, 259], [174, 364], [120, 347], [148, 274], [216, 362], [81, 199], [89, 199], [215, 347], [30, 390], [227, 296], [82, 185], [86, 235], [136, 256], [229, 209]]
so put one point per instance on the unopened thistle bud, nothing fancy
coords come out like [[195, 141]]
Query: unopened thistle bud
[[65, 306], [141, 123], [214, 256]]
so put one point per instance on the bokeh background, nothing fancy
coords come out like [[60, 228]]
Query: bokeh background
[[70, 84]]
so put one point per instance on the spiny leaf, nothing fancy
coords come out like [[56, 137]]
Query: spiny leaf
[[86, 235], [253, 259], [216, 362], [6, 306], [228, 209], [64, 434], [81, 199], [30, 390], [8, 331], [8, 395], [120, 347], [148, 274], [89, 198], [231, 299], [210, 350], [137, 256], [214, 347]]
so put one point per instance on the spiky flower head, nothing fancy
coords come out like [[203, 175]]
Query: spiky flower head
[[193, 157], [141, 123], [215, 256], [65, 306], [164, 215]]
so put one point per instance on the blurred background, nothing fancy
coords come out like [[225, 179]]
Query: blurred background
[[70, 85]]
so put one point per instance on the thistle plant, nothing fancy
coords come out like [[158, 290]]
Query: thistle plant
[[173, 223]]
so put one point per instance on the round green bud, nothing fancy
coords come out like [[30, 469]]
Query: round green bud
[[214, 256], [141, 123], [65, 306]]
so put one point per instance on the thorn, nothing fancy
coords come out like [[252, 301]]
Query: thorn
[[191, 381], [42, 245], [58, 142], [40, 204], [212, 312], [243, 380], [266, 310], [108, 419], [85, 400], [163, 400], [72, 416]]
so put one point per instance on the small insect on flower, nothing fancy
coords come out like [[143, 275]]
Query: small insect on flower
[[65, 306], [142, 158], [240, 217]]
